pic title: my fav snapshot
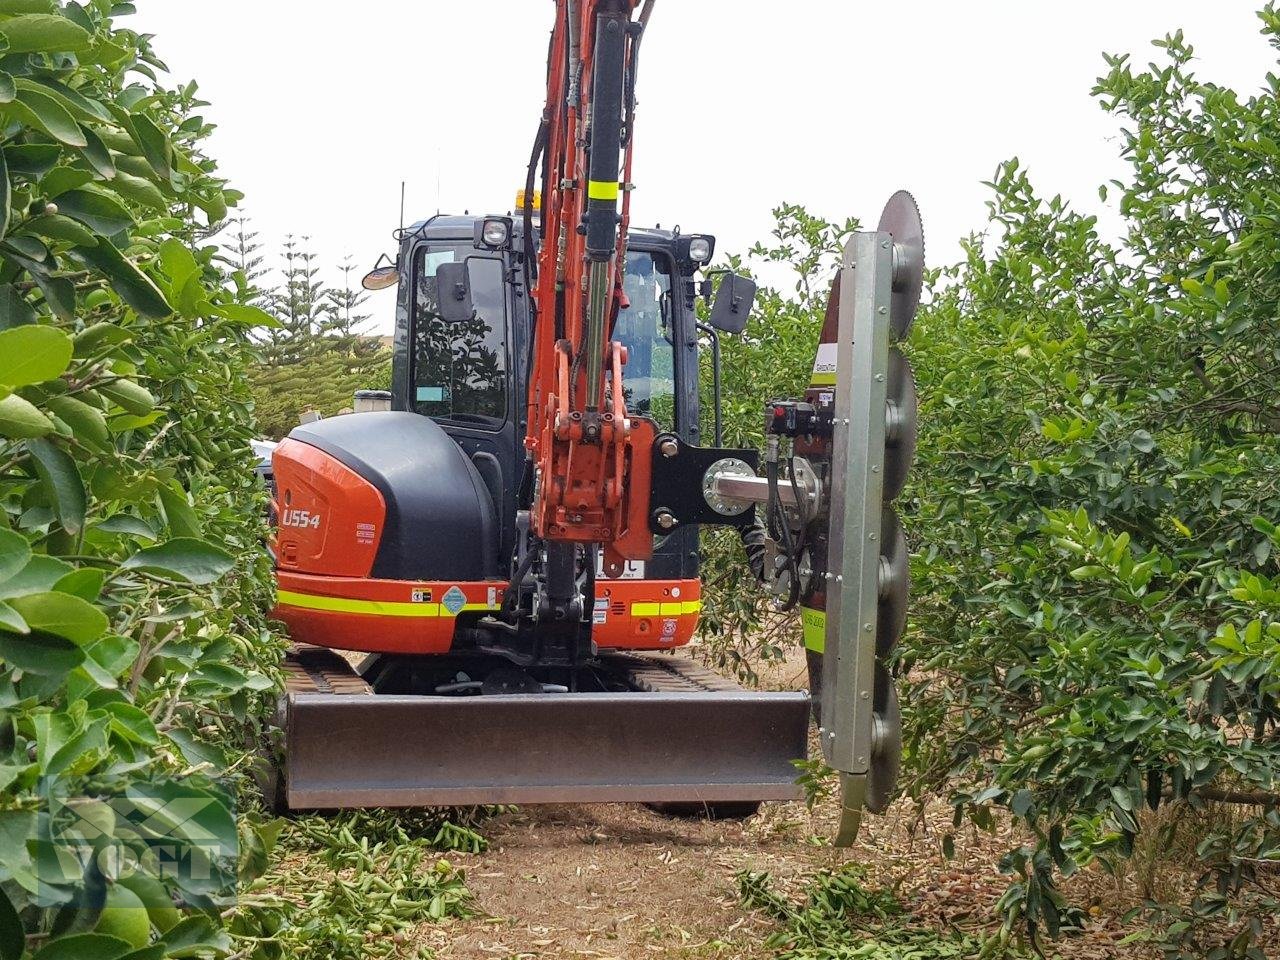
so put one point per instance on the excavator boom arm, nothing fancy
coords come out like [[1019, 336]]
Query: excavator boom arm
[[582, 440]]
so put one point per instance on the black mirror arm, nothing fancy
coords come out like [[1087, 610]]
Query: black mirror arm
[[711, 332]]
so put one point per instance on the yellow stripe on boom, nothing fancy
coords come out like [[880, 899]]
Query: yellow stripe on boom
[[602, 190]]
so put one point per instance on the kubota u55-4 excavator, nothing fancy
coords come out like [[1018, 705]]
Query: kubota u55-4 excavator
[[515, 545]]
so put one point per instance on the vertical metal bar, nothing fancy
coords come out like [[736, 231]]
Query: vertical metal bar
[[866, 285], [711, 332]]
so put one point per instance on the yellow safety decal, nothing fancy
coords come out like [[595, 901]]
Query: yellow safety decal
[[815, 628], [823, 380], [377, 608], [672, 608], [602, 190]]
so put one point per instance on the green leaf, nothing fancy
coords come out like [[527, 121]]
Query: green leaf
[[186, 558], [1142, 441], [62, 481], [33, 354], [140, 191], [11, 620], [97, 210], [11, 7], [85, 583], [44, 655], [178, 262], [44, 33], [85, 946], [15, 553], [21, 420], [43, 110], [250, 316], [57, 227], [195, 936], [132, 723], [196, 751], [62, 615], [178, 512], [15, 309], [153, 143], [13, 938], [40, 574], [124, 524], [87, 422], [134, 287], [99, 157], [34, 159], [130, 396], [6, 190]]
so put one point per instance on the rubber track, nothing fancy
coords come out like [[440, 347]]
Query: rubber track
[[667, 674], [319, 670]]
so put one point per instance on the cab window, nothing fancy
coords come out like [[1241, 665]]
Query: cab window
[[459, 371], [645, 329]]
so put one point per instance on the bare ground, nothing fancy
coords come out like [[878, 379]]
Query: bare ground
[[618, 881]]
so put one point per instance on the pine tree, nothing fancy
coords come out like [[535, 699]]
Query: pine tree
[[301, 305], [348, 321], [242, 252]]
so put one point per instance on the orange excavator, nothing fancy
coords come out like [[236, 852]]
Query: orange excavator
[[514, 546]]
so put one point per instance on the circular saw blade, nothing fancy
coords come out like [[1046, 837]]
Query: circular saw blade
[[886, 745], [901, 219], [894, 583], [902, 424]]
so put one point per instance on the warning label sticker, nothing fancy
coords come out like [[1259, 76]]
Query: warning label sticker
[[454, 600], [601, 612]]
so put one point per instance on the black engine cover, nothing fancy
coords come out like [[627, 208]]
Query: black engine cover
[[440, 522]]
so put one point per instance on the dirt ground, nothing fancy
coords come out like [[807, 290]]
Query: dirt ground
[[618, 881]]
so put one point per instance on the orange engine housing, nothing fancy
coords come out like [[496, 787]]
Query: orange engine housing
[[334, 534]]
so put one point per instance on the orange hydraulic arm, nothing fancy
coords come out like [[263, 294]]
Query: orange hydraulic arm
[[592, 457]]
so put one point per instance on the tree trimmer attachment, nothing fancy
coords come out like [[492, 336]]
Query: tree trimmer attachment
[[830, 541]]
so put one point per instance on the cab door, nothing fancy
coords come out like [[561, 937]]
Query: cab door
[[460, 374]]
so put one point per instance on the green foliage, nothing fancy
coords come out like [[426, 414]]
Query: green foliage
[[315, 357], [356, 887], [773, 358], [841, 919], [1095, 629], [133, 642], [325, 382]]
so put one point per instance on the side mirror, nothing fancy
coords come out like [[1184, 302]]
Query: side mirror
[[382, 275], [732, 308], [453, 289]]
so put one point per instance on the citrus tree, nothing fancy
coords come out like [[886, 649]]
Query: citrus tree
[[1095, 516], [133, 645]]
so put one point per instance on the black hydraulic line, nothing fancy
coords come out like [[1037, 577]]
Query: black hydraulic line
[[606, 136], [711, 332]]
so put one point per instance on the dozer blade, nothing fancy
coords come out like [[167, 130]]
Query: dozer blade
[[676, 741]]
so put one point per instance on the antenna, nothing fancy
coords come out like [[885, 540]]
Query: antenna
[[437, 181], [402, 205]]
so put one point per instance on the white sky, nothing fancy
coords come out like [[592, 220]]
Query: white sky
[[324, 107]]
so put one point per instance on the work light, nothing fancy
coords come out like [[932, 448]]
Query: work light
[[496, 233]]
